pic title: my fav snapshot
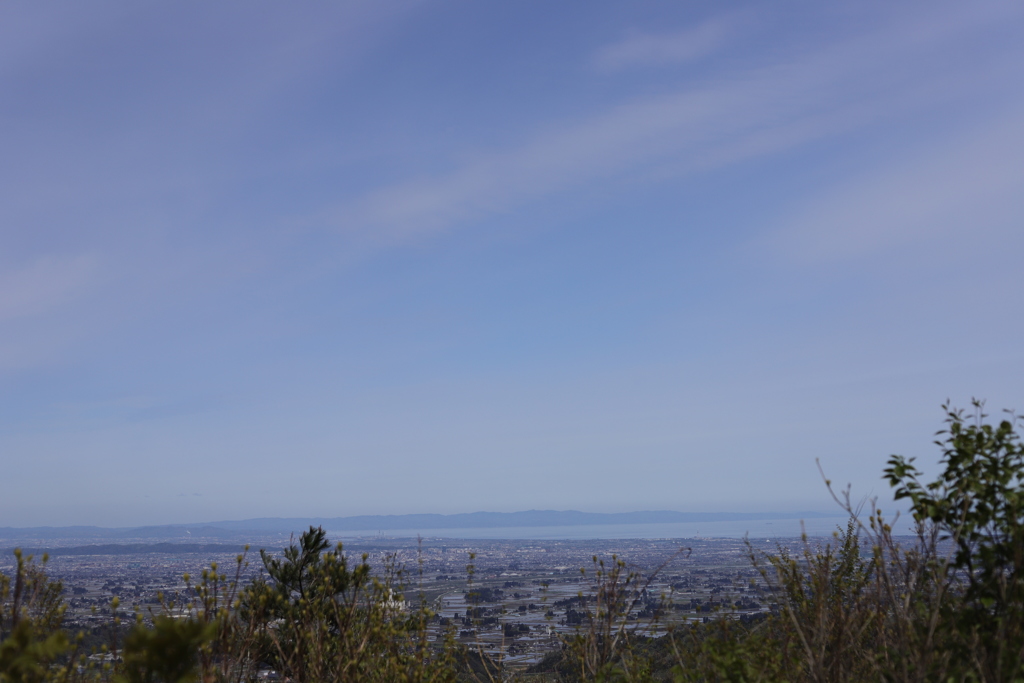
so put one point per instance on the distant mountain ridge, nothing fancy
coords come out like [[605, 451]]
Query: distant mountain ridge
[[425, 522], [497, 520]]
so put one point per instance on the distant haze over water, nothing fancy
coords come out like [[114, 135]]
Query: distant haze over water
[[770, 528], [532, 524]]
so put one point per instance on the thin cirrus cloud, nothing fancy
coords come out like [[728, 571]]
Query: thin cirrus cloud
[[749, 113], [976, 180], [647, 49], [171, 117], [698, 128], [44, 284], [33, 295]]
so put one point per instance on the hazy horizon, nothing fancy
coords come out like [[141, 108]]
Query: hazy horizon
[[470, 520], [523, 525], [357, 258]]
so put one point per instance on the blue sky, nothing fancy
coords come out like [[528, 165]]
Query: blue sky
[[288, 259]]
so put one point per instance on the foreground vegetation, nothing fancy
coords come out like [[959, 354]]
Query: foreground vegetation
[[946, 605]]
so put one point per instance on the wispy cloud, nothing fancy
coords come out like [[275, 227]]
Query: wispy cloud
[[972, 183], [44, 284], [697, 127], [744, 115], [690, 44]]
